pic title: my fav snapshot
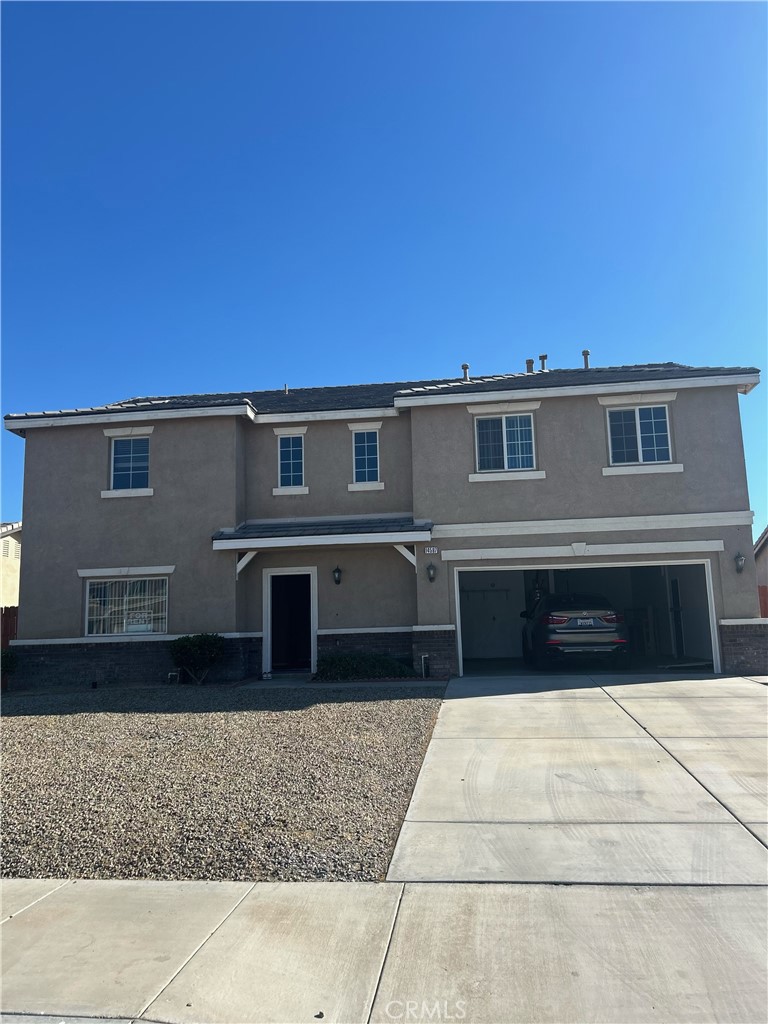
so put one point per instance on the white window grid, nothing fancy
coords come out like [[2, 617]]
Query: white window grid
[[361, 476], [117, 441], [638, 438], [126, 606], [294, 448], [504, 418]]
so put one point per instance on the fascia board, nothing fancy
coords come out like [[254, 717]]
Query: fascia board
[[15, 426], [261, 543], [745, 383], [328, 414]]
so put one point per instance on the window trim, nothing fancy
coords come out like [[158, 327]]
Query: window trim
[[366, 428], [636, 409], [290, 488], [136, 434], [505, 473], [129, 577]]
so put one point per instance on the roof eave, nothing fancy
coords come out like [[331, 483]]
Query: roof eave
[[19, 425], [743, 382]]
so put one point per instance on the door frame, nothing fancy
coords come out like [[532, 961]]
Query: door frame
[[706, 562], [266, 598]]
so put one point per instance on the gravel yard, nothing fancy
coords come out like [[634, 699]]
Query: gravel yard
[[298, 783]]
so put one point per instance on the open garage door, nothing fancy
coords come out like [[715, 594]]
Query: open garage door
[[666, 609]]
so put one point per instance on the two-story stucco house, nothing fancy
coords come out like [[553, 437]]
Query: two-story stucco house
[[414, 518]]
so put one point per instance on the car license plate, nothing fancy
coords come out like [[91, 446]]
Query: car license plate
[[585, 622]]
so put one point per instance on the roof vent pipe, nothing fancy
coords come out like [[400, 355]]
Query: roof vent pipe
[[529, 366], [586, 353], [285, 389], [543, 361], [465, 368]]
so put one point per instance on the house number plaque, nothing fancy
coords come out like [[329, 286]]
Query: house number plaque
[[430, 551]]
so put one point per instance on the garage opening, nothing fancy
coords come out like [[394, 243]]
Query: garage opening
[[665, 609]]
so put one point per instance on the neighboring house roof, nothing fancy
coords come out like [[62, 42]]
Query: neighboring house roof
[[373, 396], [8, 529], [762, 542], [337, 526]]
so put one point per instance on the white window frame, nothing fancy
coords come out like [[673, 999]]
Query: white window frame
[[124, 434], [503, 417], [366, 485], [301, 488], [636, 409], [130, 578]]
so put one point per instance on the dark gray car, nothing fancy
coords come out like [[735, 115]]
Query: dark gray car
[[562, 625]]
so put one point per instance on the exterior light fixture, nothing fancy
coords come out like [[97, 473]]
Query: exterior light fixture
[[337, 575], [431, 572], [740, 561]]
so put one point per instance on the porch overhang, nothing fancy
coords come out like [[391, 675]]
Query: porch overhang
[[260, 544], [313, 533]]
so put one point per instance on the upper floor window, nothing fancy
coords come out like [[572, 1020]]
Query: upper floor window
[[505, 442], [366, 452], [639, 435], [127, 606], [291, 460], [130, 463]]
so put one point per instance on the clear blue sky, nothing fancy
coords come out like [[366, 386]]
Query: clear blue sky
[[214, 197]]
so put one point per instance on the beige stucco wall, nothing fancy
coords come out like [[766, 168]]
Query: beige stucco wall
[[376, 589], [735, 594], [9, 572], [328, 471], [572, 448], [69, 526]]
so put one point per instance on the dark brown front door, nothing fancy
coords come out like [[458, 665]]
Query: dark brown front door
[[291, 623]]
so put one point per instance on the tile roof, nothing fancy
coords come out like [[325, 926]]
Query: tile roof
[[324, 527], [373, 396]]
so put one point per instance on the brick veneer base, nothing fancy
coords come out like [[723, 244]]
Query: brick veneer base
[[394, 645], [50, 665], [440, 646], [46, 665], [745, 648]]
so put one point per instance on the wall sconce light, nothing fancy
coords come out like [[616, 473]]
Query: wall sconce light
[[740, 561], [431, 572], [337, 575]]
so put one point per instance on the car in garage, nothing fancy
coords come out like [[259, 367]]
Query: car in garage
[[561, 626]]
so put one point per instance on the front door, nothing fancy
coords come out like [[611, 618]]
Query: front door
[[291, 622]]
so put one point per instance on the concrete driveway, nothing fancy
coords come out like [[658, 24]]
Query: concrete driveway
[[598, 779]]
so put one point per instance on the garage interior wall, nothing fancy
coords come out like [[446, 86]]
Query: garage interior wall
[[665, 607]]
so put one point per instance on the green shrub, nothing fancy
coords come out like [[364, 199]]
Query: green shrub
[[196, 654], [334, 667], [7, 661]]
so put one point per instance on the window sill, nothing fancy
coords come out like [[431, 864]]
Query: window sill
[[510, 474], [130, 492], [289, 490], [366, 485], [646, 467]]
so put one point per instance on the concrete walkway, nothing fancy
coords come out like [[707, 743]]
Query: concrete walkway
[[644, 795]]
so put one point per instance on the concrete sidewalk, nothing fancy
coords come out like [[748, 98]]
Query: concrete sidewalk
[[645, 797], [226, 952]]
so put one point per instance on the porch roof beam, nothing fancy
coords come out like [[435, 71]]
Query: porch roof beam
[[409, 556], [324, 540], [247, 557]]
